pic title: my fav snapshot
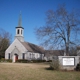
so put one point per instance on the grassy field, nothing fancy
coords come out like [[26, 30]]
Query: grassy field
[[19, 71]]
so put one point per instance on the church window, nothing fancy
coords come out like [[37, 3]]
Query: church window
[[9, 56], [18, 31], [23, 56], [33, 56], [21, 31], [30, 55]]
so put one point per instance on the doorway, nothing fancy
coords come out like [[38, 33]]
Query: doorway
[[15, 57]]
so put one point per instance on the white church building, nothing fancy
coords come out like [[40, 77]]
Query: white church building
[[19, 49]]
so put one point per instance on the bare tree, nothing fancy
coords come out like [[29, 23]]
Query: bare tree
[[61, 29], [73, 51], [5, 40]]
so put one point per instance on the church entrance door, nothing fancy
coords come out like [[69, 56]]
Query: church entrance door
[[15, 57]]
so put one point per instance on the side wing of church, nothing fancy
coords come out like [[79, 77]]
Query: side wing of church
[[20, 49]]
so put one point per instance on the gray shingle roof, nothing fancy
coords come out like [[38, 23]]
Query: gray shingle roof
[[54, 53], [37, 49], [78, 48], [33, 48]]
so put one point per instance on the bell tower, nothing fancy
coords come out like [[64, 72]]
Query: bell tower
[[19, 30]]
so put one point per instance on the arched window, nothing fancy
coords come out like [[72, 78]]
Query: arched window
[[21, 31], [18, 31]]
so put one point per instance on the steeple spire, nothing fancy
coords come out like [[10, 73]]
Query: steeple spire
[[19, 30], [20, 20]]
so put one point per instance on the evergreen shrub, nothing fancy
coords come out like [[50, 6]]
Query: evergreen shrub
[[78, 67]]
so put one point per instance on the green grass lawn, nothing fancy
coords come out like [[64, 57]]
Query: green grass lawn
[[19, 71]]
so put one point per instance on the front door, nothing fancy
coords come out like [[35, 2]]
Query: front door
[[15, 57]]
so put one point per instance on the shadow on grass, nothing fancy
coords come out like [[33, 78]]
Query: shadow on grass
[[48, 68], [52, 69]]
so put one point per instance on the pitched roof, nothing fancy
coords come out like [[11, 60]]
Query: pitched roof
[[78, 48], [33, 48], [54, 53], [37, 49]]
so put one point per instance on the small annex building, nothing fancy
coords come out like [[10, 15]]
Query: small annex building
[[51, 54], [20, 49], [78, 51]]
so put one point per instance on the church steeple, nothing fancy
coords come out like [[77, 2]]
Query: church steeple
[[20, 20], [19, 30]]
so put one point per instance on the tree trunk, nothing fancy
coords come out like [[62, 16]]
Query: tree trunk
[[67, 48]]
